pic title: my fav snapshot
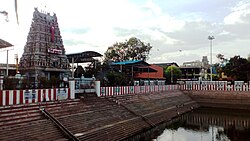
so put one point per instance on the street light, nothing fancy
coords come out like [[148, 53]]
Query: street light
[[211, 43]]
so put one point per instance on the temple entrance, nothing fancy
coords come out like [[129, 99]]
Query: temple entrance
[[83, 85]]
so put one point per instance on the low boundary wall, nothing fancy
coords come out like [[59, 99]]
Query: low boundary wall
[[15, 97], [221, 99], [121, 90], [211, 87], [215, 86]]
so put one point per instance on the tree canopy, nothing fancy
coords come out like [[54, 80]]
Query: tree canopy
[[133, 49], [237, 68], [79, 72], [118, 79], [172, 73]]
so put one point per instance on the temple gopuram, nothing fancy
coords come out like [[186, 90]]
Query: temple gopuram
[[44, 53]]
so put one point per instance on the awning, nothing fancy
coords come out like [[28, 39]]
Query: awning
[[4, 44], [83, 57]]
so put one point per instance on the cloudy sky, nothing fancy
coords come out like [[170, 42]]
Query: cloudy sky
[[178, 30]]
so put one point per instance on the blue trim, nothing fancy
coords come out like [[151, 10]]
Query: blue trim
[[126, 62]]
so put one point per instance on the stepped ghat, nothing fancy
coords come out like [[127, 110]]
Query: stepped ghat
[[113, 116], [92, 118], [109, 117]]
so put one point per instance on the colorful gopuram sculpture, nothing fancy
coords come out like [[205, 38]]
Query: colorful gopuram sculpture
[[44, 53]]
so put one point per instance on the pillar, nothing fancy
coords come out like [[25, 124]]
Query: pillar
[[97, 88], [72, 88]]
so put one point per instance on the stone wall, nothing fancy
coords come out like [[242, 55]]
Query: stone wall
[[221, 99]]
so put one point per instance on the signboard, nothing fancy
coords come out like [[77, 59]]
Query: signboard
[[55, 51], [61, 94], [29, 94]]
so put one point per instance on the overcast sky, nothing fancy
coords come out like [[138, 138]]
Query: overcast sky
[[178, 30]]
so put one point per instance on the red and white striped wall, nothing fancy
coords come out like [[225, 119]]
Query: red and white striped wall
[[13, 97], [121, 90], [214, 87]]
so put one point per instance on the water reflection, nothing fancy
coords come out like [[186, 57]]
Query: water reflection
[[182, 134], [206, 124]]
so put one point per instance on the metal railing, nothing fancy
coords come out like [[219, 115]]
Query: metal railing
[[58, 124]]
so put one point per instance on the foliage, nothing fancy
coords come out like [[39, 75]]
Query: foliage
[[93, 69], [238, 68], [117, 79], [10, 83], [54, 81], [172, 73], [25, 83], [79, 72], [43, 82], [221, 57], [133, 49], [217, 68]]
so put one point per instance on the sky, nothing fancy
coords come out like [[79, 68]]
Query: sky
[[178, 30]]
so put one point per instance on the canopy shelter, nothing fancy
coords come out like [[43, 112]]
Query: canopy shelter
[[82, 57], [5, 44]]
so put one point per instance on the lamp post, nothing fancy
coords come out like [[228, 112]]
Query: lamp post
[[211, 44]]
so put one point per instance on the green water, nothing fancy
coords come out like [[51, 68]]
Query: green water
[[206, 124], [202, 124]]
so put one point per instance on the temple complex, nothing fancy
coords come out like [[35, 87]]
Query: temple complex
[[44, 53]]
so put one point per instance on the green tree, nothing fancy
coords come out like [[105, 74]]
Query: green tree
[[117, 79], [238, 68], [43, 82], [79, 72], [54, 81], [172, 73], [133, 49], [93, 69], [25, 83], [10, 83], [217, 76]]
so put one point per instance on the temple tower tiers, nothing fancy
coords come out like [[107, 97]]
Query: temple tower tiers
[[44, 53]]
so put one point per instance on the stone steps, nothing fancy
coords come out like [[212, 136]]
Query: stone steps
[[26, 122], [94, 118]]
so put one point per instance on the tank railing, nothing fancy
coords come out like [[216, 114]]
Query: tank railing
[[58, 124]]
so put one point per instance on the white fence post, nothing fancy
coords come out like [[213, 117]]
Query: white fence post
[[72, 89], [97, 88]]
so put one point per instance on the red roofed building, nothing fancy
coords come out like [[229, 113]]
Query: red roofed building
[[157, 74], [141, 72]]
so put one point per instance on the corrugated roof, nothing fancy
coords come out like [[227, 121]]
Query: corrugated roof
[[127, 62], [83, 57], [4, 44]]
